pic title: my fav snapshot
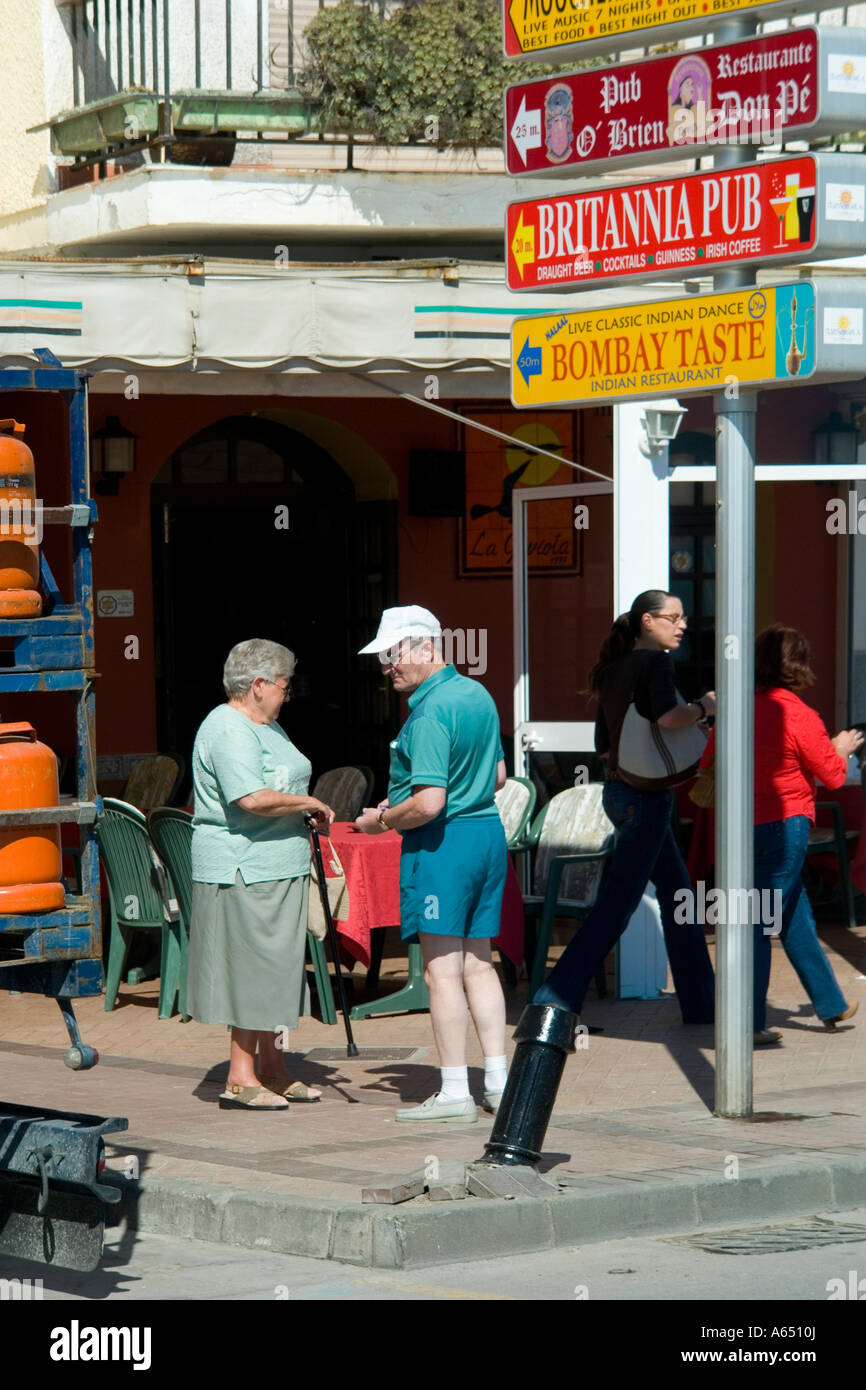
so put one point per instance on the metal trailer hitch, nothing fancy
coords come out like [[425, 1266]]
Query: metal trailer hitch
[[52, 1202]]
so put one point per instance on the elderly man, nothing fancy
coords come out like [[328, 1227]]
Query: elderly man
[[446, 764]]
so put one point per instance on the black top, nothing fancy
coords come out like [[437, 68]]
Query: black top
[[643, 675]]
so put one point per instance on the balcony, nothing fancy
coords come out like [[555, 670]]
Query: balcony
[[183, 79]]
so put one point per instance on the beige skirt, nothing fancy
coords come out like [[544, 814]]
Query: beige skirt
[[247, 951]]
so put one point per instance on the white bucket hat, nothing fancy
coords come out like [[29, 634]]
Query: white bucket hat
[[397, 623]]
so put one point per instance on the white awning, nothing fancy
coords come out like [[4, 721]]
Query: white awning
[[180, 314]]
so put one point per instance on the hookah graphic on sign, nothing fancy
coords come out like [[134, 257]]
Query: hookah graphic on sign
[[795, 330]]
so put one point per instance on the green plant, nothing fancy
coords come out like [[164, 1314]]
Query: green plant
[[433, 70]]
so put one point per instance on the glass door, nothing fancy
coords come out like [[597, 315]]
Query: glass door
[[562, 605]]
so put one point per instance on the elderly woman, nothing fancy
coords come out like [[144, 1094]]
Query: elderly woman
[[250, 869]]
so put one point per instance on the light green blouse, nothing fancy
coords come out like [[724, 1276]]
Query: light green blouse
[[232, 757]]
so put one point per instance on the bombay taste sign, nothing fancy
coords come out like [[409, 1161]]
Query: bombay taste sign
[[682, 345]]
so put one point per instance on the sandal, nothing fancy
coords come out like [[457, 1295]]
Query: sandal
[[249, 1098], [290, 1090]]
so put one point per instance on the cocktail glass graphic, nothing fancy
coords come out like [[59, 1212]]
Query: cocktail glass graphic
[[780, 204]]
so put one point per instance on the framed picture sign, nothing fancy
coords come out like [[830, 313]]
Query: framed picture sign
[[494, 469]]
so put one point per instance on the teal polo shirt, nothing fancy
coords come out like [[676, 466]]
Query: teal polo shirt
[[451, 740], [232, 757]]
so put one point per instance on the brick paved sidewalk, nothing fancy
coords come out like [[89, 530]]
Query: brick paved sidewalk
[[636, 1101]]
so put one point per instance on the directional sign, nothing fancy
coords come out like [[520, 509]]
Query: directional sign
[[568, 29], [811, 207], [694, 345], [529, 361], [808, 82]]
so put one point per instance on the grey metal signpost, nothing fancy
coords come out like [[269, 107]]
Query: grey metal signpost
[[735, 722]]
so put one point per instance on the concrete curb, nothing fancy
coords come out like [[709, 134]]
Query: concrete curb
[[422, 1233]]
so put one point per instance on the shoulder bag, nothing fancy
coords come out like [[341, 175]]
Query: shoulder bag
[[652, 758], [338, 893]]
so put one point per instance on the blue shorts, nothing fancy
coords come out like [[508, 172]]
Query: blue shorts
[[452, 875]]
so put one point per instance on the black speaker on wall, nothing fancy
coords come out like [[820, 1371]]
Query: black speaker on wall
[[437, 482]]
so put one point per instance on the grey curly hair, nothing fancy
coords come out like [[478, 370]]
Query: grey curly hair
[[257, 657]]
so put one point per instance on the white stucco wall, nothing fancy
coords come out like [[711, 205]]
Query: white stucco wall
[[23, 180], [181, 48]]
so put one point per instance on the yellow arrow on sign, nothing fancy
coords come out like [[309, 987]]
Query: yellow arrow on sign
[[523, 244]]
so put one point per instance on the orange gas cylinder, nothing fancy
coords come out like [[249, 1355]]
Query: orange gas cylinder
[[19, 548], [30, 867]]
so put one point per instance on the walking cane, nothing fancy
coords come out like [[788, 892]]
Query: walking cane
[[351, 1045]]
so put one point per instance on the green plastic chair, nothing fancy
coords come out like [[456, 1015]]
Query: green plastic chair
[[171, 836], [136, 900], [834, 840], [515, 803], [573, 840], [346, 790]]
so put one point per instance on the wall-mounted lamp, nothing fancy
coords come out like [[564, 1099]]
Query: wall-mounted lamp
[[834, 441], [112, 453], [661, 421]]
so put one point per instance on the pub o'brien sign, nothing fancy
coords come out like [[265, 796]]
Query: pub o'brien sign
[[803, 82], [813, 206], [568, 29], [694, 345]]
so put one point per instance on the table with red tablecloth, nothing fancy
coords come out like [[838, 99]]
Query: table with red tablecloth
[[372, 867]]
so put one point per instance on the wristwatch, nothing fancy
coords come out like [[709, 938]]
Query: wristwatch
[[382, 821], [700, 704]]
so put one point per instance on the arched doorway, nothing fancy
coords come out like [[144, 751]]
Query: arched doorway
[[257, 533]]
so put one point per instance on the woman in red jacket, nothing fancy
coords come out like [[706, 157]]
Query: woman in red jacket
[[792, 748]]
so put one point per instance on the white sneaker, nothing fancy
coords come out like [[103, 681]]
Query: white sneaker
[[492, 1099], [456, 1111]]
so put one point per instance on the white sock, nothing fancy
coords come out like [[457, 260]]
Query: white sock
[[495, 1073], [455, 1083]]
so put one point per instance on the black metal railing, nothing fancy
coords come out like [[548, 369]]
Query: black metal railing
[[122, 44]]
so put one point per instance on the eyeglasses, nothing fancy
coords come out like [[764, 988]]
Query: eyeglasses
[[285, 689], [674, 618], [394, 654]]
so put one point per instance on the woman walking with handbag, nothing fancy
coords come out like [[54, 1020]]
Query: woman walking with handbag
[[792, 747], [633, 681]]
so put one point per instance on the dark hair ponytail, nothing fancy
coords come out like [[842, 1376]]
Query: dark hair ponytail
[[624, 633]]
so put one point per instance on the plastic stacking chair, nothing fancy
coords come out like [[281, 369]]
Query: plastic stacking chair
[[153, 781], [573, 841], [171, 836], [824, 839], [136, 900], [345, 789], [515, 803]]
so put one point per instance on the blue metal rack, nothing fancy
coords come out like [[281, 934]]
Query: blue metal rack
[[52, 1192], [59, 953]]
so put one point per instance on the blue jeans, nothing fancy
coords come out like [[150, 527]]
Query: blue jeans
[[645, 850], [780, 849]]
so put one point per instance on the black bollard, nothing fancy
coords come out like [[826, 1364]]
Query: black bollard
[[544, 1037]]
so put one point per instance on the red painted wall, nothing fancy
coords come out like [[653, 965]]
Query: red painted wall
[[570, 615]]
